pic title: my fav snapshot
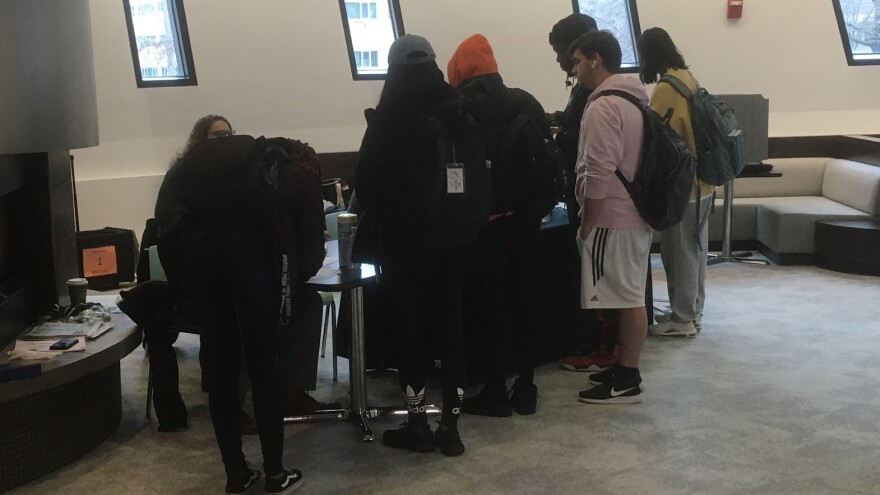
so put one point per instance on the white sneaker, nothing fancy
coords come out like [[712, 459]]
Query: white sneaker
[[671, 328], [664, 317]]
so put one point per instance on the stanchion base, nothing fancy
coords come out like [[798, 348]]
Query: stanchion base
[[322, 415], [361, 418], [715, 259]]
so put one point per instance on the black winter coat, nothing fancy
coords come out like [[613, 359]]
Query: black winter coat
[[494, 106], [391, 145]]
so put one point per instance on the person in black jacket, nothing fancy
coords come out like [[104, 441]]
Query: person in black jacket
[[591, 327], [242, 229], [170, 408], [508, 244], [299, 349], [423, 281], [568, 123]]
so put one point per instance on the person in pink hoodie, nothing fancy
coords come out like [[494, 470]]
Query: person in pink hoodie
[[614, 240]]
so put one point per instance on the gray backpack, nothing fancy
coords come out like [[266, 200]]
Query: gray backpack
[[713, 121]]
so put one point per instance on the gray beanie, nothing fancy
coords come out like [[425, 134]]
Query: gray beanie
[[410, 49]]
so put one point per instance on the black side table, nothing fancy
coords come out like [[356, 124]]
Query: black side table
[[849, 246], [351, 281]]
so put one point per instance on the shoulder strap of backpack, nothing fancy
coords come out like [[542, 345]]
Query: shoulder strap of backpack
[[626, 96], [678, 85], [506, 144], [641, 106], [683, 90]]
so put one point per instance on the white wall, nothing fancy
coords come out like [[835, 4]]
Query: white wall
[[279, 67]]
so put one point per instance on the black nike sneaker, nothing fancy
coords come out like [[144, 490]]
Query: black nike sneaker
[[604, 377], [615, 391]]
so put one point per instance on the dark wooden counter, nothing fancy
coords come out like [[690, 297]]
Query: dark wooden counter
[[53, 419]]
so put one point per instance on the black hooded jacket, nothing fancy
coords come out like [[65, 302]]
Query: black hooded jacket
[[391, 145], [494, 106]]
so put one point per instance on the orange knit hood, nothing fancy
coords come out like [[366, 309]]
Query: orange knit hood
[[472, 58]]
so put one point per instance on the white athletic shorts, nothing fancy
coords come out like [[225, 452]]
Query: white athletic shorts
[[614, 268]]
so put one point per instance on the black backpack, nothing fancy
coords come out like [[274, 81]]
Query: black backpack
[[236, 175], [528, 169], [445, 188], [661, 188]]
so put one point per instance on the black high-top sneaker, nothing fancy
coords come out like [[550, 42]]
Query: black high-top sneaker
[[604, 378], [448, 440], [524, 398], [623, 388], [414, 434], [417, 438]]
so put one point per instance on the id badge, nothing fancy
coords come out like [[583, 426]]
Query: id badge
[[455, 178]]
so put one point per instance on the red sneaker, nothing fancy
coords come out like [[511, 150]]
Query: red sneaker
[[598, 360]]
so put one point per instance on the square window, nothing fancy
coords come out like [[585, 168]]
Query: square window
[[621, 18], [353, 10], [159, 42], [859, 24], [368, 40]]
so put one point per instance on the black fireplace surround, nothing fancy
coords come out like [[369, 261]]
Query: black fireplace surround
[[37, 237]]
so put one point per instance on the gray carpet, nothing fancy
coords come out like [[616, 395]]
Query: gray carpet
[[775, 396]]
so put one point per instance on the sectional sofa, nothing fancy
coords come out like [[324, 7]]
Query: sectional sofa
[[777, 215]]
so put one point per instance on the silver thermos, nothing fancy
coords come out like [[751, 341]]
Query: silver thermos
[[347, 227]]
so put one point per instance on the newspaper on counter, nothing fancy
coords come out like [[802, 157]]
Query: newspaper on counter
[[57, 329], [39, 349]]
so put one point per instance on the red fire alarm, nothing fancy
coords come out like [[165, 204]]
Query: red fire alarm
[[734, 9]]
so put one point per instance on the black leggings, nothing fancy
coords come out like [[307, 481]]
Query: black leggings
[[236, 286], [424, 286]]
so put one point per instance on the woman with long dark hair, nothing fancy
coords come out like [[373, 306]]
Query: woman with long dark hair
[[683, 247], [422, 280], [168, 207]]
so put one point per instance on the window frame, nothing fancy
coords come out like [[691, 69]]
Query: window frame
[[396, 24], [189, 69], [844, 37], [636, 32]]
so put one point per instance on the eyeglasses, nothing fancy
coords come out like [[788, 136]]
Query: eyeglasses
[[218, 134]]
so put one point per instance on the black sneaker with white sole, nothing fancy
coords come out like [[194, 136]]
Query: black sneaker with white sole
[[604, 377], [285, 482], [243, 482], [611, 393]]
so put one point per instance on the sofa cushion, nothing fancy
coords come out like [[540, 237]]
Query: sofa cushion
[[853, 184], [786, 225]]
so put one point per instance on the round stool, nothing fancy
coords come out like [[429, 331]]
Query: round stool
[[850, 246]]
